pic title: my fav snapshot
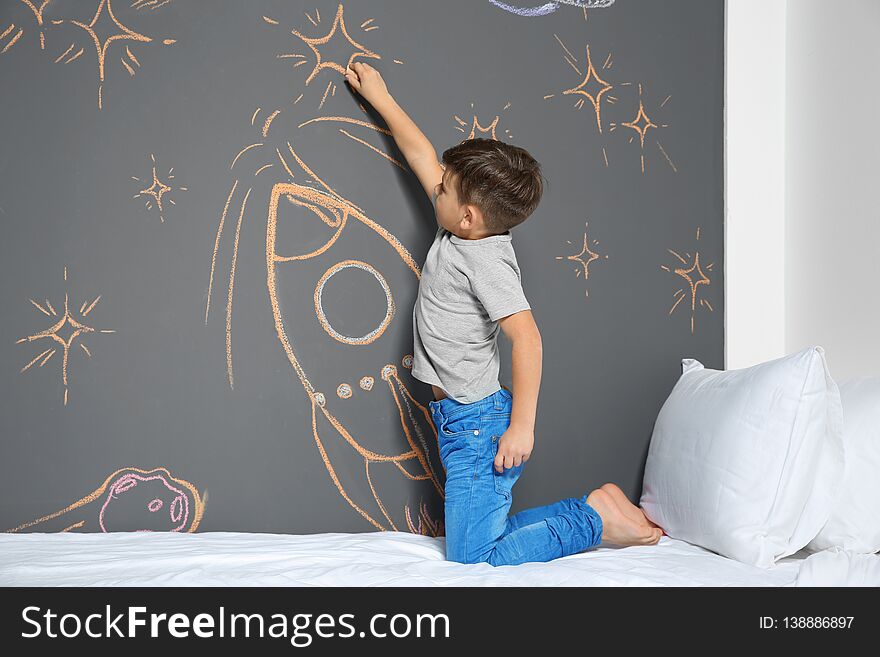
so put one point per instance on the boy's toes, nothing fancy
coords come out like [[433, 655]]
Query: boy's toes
[[652, 536], [654, 525]]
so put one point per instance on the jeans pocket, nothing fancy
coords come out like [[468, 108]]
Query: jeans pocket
[[463, 422], [505, 480]]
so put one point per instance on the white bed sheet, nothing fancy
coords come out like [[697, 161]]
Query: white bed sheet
[[838, 567], [384, 559]]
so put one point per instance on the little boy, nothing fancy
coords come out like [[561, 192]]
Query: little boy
[[470, 286]]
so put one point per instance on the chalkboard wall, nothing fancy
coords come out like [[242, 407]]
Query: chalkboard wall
[[211, 248]]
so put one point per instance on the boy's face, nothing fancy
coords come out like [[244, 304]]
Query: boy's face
[[465, 221]]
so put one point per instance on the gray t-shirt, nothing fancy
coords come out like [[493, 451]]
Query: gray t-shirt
[[466, 286]]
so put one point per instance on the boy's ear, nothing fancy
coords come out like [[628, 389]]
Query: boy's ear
[[473, 215]]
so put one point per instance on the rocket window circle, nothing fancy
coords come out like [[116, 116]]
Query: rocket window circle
[[322, 317]]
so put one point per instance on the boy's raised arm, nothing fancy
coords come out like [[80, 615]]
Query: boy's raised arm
[[418, 151]]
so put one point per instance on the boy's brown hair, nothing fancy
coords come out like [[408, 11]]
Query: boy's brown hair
[[504, 181]]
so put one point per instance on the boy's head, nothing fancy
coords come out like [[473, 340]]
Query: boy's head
[[488, 187]]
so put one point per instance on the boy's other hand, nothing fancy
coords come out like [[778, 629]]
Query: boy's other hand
[[514, 448], [366, 81]]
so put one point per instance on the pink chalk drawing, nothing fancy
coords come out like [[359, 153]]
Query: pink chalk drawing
[[147, 500]]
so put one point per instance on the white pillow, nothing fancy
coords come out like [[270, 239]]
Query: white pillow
[[747, 463], [855, 520]]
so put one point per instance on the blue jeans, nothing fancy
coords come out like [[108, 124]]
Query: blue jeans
[[478, 498]]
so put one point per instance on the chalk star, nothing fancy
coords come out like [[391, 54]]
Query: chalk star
[[585, 263], [67, 324], [156, 190], [313, 43], [578, 257], [637, 125], [695, 277], [596, 96], [117, 31], [490, 130], [686, 274]]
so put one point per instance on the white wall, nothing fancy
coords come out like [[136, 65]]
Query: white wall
[[832, 233], [755, 182], [802, 227]]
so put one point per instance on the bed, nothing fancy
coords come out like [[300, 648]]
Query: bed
[[385, 559]]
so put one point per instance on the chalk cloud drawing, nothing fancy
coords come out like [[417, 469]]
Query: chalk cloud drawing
[[64, 332], [584, 264], [549, 7], [154, 193], [152, 5], [596, 89], [316, 245], [693, 273], [130, 499]]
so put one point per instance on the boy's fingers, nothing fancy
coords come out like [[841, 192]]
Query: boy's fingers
[[365, 69], [352, 78]]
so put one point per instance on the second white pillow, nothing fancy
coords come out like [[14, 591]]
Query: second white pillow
[[855, 520]]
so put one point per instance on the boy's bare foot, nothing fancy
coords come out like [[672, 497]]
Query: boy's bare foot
[[618, 528], [627, 507]]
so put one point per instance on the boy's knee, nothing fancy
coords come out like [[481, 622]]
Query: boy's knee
[[458, 554], [496, 559]]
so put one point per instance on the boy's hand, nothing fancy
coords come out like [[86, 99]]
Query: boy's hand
[[367, 82], [416, 148], [514, 448]]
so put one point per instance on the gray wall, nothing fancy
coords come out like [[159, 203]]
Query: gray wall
[[171, 421]]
